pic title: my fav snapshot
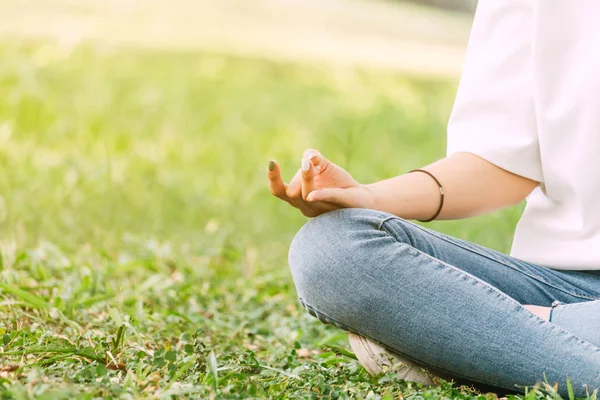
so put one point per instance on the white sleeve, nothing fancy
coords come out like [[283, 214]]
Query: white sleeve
[[494, 115]]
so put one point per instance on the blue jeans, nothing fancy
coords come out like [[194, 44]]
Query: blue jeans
[[448, 304]]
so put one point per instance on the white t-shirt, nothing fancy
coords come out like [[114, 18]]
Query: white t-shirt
[[529, 102]]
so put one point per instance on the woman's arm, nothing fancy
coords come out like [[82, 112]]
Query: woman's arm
[[472, 186], [493, 116]]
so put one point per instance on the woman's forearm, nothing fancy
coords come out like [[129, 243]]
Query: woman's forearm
[[472, 186]]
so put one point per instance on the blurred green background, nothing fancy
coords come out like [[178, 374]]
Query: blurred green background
[[134, 138]]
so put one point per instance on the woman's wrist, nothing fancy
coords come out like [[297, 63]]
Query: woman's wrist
[[371, 197], [408, 196]]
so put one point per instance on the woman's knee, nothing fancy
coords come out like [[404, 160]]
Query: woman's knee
[[328, 253], [326, 236], [314, 246]]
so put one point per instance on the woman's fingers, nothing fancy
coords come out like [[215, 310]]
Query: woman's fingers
[[276, 185], [320, 162], [308, 177], [294, 188], [302, 191], [339, 197], [312, 164]]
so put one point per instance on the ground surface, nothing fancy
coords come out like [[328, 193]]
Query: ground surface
[[140, 253]]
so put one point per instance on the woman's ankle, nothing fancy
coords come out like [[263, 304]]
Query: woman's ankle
[[540, 311]]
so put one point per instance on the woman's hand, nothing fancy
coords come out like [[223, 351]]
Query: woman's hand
[[319, 186]]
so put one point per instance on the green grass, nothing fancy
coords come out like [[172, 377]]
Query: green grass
[[141, 254]]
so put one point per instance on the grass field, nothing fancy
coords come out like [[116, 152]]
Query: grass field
[[141, 254]]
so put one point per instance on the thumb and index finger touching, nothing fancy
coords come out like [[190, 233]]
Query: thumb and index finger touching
[[312, 164], [317, 159]]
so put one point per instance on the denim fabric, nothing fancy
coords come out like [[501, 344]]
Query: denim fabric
[[581, 319], [447, 304]]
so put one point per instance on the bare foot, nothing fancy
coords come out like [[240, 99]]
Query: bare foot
[[540, 311]]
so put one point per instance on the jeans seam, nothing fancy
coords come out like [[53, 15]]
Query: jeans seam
[[384, 220], [551, 311], [347, 328], [449, 240]]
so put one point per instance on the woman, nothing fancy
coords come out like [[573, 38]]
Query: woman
[[525, 125]]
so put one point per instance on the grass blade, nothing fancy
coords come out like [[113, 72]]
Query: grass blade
[[29, 298], [64, 350], [212, 368], [570, 390]]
